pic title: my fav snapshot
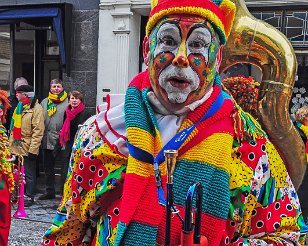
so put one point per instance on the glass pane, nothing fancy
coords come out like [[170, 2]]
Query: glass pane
[[257, 15], [274, 21], [301, 15], [273, 18], [5, 59], [292, 33], [294, 22], [296, 27], [297, 39]]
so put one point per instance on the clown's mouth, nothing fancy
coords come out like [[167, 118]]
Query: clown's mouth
[[179, 83]]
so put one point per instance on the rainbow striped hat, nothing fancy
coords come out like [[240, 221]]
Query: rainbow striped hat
[[219, 12]]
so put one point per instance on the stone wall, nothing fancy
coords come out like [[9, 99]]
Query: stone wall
[[83, 75]]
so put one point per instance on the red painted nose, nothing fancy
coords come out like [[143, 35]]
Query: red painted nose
[[180, 61]]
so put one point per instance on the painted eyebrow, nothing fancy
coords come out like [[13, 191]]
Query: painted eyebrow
[[198, 26], [171, 28], [176, 23]]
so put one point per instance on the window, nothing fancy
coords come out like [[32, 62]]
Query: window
[[5, 58], [296, 27], [272, 18], [294, 24]]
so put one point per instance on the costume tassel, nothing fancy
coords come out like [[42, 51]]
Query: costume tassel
[[245, 126]]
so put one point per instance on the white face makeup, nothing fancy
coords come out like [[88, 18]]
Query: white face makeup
[[178, 83], [169, 39], [182, 61]]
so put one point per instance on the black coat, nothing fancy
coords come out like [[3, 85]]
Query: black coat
[[78, 120]]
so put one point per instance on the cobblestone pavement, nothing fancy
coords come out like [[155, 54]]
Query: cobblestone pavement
[[30, 231]]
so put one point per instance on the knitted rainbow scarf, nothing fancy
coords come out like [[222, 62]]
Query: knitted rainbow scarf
[[140, 210], [53, 99], [5, 166], [15, 126]]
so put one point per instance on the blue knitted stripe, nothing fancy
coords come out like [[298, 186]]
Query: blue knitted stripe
[[217, 2], [226, 95], [136, 114], [120, 233], [217, 80], [139, 234], [215, 184]]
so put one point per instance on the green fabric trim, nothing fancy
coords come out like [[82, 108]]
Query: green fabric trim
[[2, 186], [215, 184], [136, 113]]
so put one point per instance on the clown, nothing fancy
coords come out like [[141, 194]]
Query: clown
[[6, 173], [111, 196]]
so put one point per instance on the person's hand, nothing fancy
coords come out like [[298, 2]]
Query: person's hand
[[32, 157]]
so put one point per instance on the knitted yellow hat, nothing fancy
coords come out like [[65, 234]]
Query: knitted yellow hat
[[219, 12]]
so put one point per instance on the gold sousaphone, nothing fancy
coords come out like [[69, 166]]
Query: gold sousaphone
[[256, 42]]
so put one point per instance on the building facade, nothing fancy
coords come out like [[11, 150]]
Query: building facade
[[101, 46], [42, 40], [121, 30]]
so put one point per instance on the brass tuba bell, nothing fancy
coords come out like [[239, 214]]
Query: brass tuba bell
[[256, 42]]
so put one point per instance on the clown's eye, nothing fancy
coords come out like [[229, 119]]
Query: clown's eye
[[197, 44], [168, 41]]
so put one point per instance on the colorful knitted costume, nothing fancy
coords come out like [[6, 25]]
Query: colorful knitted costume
[[110, 196], [53, 99], [6, 187], [305, 131], [5, 165]]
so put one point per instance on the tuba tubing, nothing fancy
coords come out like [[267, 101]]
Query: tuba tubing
[[256, 42]]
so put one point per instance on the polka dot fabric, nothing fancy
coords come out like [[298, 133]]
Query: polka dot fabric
[[251, 151], [258, 200]]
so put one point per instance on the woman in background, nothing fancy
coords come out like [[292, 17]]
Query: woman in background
[[6, 174], [74, 116]]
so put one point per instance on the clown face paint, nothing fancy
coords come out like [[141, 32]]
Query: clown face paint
[[182, 60]]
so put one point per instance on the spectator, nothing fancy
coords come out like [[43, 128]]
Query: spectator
[[54, 108], [6, 174], [26, 133], [14, 101], [73, 117], [301, 117]]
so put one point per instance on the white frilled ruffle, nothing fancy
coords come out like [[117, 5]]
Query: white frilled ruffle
[[111, 124]]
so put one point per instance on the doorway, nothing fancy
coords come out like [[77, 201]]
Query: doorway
[[30, 52]]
